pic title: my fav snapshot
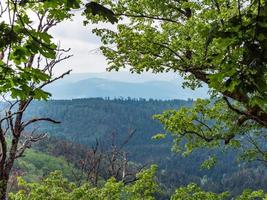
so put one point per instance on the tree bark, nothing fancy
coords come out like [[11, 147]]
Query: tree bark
[[3, 185]]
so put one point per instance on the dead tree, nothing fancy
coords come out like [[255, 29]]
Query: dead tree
[[103, 161]]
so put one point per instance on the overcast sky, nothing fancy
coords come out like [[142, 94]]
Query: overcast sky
[[81, 40]]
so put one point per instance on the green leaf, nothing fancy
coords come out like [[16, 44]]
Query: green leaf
[[209, 163], [159, 136]]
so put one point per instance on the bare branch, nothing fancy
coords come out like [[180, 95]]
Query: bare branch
[[50, 65], [199, 135], [28, 142], [55, 79], [207, 126], [9, 113], [232, 107], [126, 141], [170, 49], [37, 120]]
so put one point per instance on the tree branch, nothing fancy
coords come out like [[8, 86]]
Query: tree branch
[[147, 16], [37, 120], [27, 144], [55, 79]]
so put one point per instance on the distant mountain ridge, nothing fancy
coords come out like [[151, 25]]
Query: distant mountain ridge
[[122, 76], [109, 85]]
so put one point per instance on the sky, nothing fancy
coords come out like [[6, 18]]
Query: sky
[[81, 40], [83, 43]]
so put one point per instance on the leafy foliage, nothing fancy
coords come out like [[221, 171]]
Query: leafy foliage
[[251, 195], [56, 187], [193, 192], [205, 124], [221, 44]]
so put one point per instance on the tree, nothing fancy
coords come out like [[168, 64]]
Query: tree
[[56, 187], [219, 43], [193, 192], [103, 160], [28, 55], [146, 187]]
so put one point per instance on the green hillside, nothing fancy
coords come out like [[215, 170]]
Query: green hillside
[[35, 165]]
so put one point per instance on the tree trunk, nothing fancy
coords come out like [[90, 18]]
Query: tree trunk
[[3, 186]]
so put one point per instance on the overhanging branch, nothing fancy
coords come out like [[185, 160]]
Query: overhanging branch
[[39, 119]]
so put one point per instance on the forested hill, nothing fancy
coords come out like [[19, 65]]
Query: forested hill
[[84, 120]]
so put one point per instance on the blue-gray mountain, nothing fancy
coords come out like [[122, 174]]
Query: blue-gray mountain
[[108, 85]]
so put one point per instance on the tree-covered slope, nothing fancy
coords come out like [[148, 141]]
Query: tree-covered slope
[[35, 165], [84, 120]]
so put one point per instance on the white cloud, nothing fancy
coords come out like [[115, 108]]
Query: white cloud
[[81, 40]]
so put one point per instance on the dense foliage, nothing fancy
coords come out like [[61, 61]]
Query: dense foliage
[[56, 187]]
